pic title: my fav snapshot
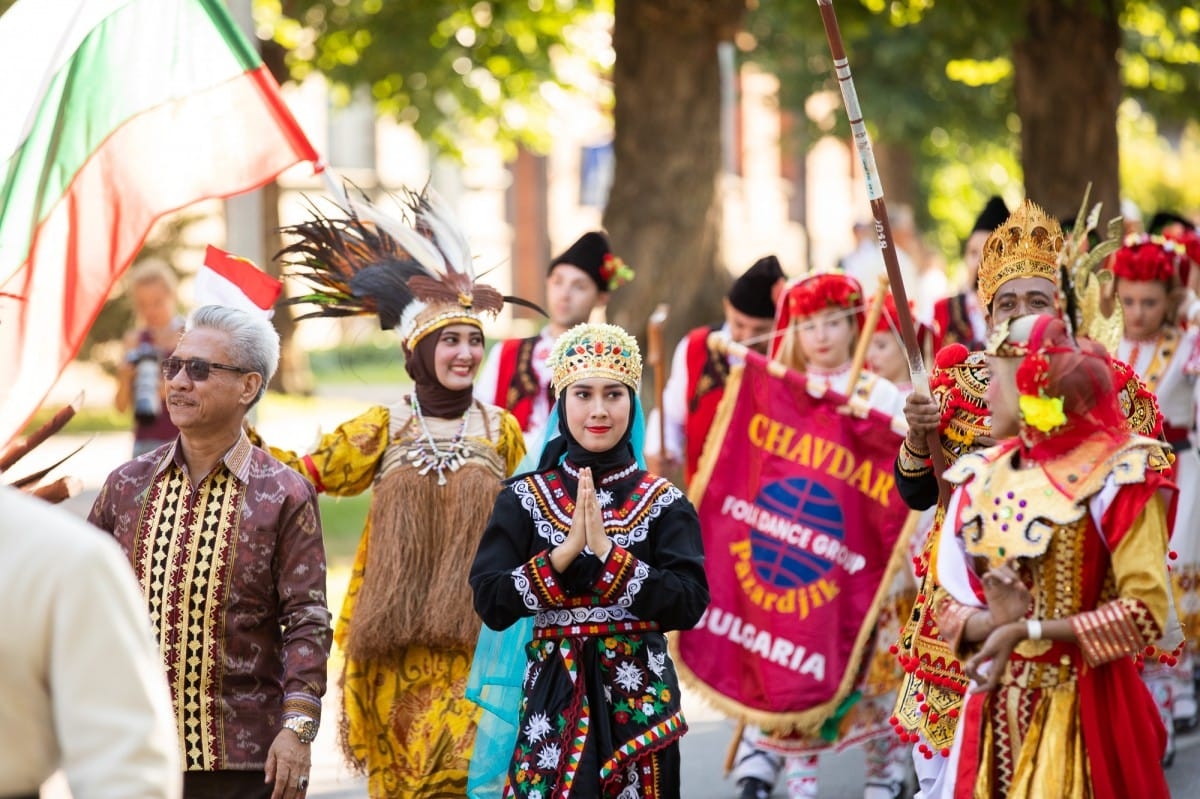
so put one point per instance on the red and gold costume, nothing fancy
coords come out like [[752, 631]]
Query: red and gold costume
[[1077, 508], [931, 698]]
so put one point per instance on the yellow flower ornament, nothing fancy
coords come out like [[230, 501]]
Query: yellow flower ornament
[[1042, 413]]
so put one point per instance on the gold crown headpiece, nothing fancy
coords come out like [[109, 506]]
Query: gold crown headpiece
[[587, 351], [1026, 245]]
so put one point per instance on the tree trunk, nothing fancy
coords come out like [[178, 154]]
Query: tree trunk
[[897, 172], [1068, 87], [663, 214]]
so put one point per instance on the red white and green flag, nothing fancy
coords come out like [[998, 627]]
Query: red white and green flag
[[124, 110]]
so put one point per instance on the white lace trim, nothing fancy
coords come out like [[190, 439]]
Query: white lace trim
[[555, 534]]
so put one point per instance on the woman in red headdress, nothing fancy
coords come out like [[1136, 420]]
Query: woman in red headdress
[[819, 321], [1053, 558], [1150, 272]]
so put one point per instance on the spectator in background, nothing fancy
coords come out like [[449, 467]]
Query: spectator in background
[[83, 690], [961, 318], [152, 287], [516, 374], [699, 370], [865, 262]]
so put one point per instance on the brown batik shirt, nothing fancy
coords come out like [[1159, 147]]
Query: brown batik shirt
[[232, 568]]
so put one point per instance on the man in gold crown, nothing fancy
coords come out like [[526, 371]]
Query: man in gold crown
[[1019, 275]]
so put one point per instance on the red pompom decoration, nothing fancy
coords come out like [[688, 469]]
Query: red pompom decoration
[[951, 355]]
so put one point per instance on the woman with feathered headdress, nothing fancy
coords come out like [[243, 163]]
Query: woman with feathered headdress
[[434, 463]]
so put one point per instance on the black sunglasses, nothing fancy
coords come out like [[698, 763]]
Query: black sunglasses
[[197, 368]]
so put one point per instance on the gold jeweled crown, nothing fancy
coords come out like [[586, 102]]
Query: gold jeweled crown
[[587, 351], [1026, 245]]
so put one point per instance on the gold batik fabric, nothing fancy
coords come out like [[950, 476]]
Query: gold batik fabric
[[183, 558], [1034, 740], [406, 625], [408, 725]]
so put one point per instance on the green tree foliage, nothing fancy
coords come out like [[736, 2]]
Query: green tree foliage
[[445, 67], [941, 77]]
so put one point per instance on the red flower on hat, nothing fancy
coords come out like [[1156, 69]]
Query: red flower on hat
[[615, 272]]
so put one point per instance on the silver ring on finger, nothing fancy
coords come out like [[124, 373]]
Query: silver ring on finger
[[302, 783]]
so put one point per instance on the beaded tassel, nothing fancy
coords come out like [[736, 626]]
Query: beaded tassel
[[425, 456]]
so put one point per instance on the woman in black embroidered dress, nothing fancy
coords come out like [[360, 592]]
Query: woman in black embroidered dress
[[606, 557]]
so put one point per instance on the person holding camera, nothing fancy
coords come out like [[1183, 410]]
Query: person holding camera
[[139, 377]]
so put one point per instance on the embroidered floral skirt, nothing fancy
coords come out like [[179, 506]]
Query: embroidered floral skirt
[[600, 718]]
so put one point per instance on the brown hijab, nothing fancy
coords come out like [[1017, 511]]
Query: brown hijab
[[435, 399]]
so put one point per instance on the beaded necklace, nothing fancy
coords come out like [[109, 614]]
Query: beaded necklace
[[424, 453]]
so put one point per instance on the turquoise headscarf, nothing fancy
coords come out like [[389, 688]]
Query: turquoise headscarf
[[498, 668]]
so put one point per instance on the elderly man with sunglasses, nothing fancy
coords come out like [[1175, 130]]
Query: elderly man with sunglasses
[[226, 543]]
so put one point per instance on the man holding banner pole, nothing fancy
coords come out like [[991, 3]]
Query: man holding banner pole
[[1020, 274], [676, 430]]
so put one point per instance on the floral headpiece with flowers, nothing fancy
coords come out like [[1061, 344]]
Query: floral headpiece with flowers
[[1144, 257]]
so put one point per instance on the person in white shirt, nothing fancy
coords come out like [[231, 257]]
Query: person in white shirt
[[82, 688], [865, 262], [1148, 271], [698, 371]]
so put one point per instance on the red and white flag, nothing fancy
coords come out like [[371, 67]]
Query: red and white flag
[[227, 279]]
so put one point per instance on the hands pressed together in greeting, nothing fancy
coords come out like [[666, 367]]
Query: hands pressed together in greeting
[[587, 527]]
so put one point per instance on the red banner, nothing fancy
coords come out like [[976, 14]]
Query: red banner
[[800, 515]]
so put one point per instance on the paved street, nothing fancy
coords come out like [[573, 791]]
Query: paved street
[[704, 748]]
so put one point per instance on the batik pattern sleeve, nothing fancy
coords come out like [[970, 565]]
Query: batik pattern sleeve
[[508, 581], [344, 462], [299, 572], [667, 585], [1125, 625]]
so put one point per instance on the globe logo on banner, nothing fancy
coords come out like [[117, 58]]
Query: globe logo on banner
[[799, 501]]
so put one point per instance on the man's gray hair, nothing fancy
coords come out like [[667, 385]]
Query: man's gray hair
[[253, 340]]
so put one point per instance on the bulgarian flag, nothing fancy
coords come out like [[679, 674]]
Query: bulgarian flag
[[125, 110]]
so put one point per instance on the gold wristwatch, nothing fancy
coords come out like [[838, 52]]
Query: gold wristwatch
[[304, 727]]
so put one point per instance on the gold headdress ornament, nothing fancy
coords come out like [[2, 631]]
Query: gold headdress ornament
[[1086, 280], [1025, 245], [587, 351], [414, 272]]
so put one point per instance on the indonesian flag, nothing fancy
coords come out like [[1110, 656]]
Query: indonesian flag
[[231, 280], [125, 110]]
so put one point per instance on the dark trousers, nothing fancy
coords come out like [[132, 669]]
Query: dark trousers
[[226, 785]]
